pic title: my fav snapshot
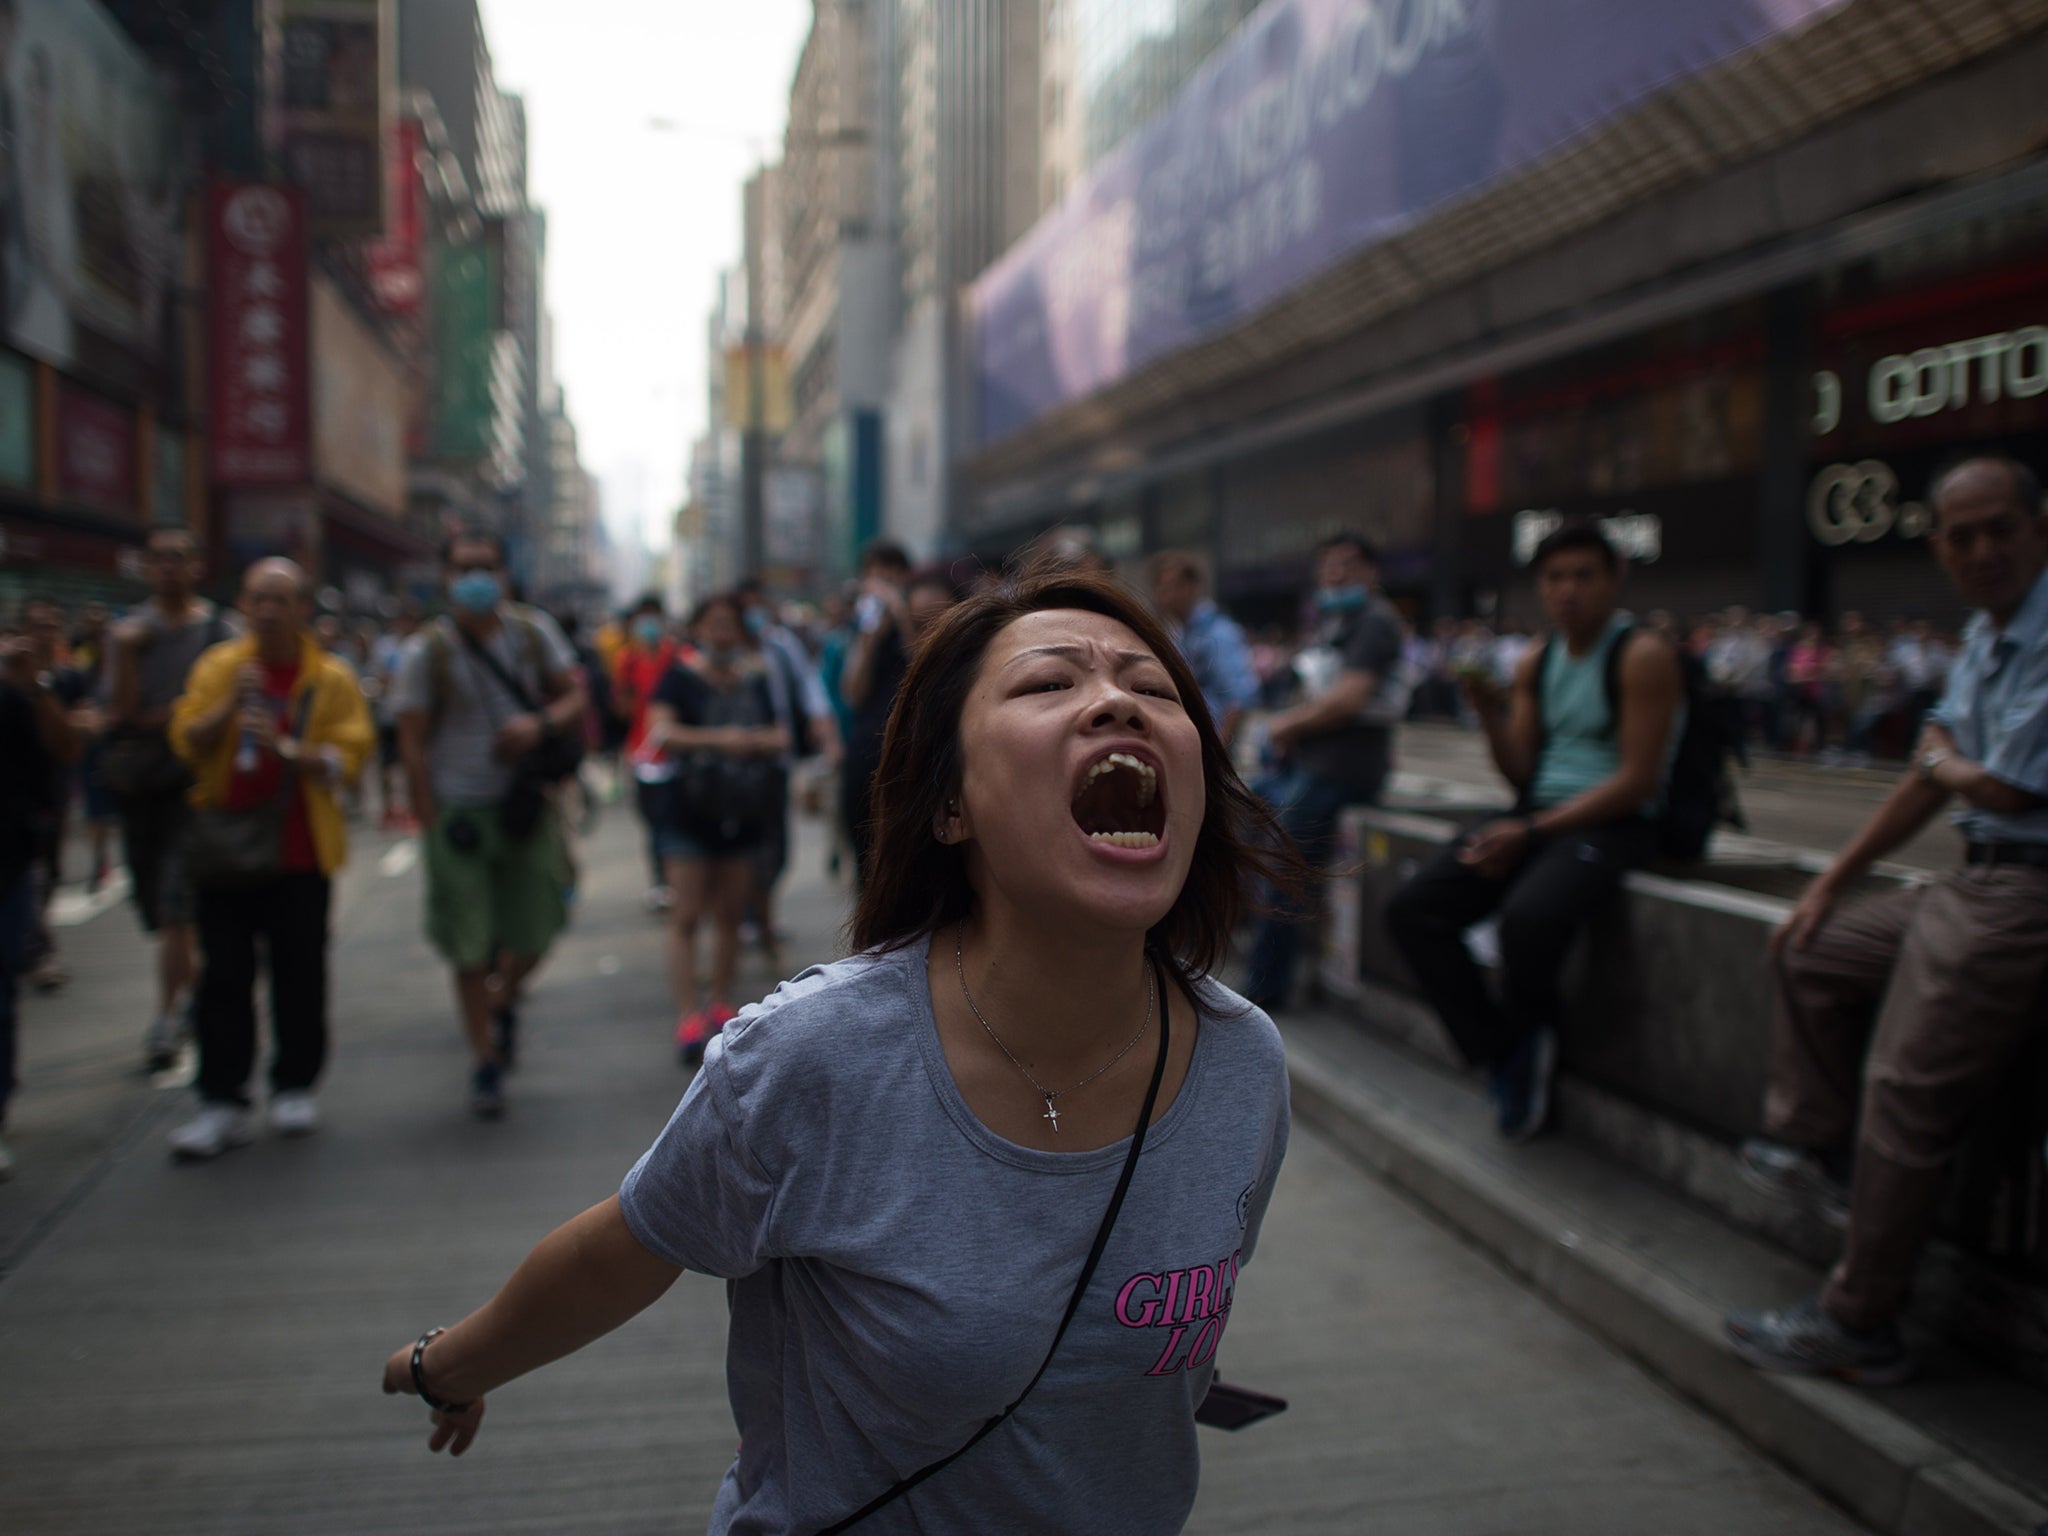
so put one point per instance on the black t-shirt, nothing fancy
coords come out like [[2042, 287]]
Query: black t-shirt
[[27, 786], [697, 702], [871, 715], [1358, 753]]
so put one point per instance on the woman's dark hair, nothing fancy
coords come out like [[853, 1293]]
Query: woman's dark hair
[[728, 600], [917, 885]]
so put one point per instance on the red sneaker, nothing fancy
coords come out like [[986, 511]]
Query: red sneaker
[[694, 1033]]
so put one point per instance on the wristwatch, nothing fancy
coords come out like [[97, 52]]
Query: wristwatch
[[1929, 762]]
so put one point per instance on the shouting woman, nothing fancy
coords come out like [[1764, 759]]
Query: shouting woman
[[987, 1186]]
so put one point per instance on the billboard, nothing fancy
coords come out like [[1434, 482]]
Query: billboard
[[89, 188], [256, 266], [333, 85], [1324, 127]]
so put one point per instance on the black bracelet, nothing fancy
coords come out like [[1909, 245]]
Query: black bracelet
[[419, 1375]]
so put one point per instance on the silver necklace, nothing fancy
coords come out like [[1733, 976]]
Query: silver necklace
[[1048, 1094]]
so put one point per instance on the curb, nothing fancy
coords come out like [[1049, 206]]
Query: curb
[[1884, 1470]]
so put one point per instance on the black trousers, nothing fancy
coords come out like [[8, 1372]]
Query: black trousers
[[1541, 905], [289, 916]]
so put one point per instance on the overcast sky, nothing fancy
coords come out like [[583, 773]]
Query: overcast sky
[[640, 220]]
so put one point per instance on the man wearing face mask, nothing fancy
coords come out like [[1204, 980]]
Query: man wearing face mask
[[478, 692], [1335, 748], [644, 658]]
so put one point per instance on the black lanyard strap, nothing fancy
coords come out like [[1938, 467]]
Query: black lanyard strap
[[1116, 1204]]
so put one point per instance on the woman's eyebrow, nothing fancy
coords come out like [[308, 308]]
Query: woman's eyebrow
[[1078, 654]]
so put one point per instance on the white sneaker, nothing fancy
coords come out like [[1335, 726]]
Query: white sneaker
[[211, 1132], [160, 1042], [294, 1114], [6, 1161]]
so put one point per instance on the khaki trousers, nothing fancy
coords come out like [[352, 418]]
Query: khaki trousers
[[1945, 987]]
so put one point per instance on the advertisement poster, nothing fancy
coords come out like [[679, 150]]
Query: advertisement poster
[[464, 342], [1323, 128], [17, 422], [95, 452], [89, 192], [333, 91], [256, 263]]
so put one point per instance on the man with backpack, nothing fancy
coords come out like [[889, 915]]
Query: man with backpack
[[1586, 734], [490, 715]]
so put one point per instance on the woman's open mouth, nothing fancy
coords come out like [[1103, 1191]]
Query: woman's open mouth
[[1118, 802]]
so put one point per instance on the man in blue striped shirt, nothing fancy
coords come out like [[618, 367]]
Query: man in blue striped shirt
[[1944, 985]]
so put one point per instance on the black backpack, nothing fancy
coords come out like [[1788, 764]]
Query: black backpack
[[1699, 792]]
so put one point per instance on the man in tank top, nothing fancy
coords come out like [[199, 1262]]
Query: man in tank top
[[1586, 739]]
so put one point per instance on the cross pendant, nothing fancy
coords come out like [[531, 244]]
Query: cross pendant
[[1052, 1114]]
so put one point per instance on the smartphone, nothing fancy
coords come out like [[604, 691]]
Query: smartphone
[[1228, 1407]]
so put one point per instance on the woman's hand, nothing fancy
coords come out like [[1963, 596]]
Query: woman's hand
[[453, 1432]]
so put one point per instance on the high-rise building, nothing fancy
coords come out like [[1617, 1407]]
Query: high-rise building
[[968, 150]]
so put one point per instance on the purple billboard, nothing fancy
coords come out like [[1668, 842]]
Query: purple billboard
[[1324, 127]]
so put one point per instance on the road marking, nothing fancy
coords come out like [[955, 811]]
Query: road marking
[[608, 966], [399, 858], [69, 909]]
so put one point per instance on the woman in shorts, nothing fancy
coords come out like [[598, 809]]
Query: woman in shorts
[[913, 1164], [713, 717]]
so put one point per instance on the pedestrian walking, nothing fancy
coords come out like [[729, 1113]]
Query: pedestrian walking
[[489, 717], [1209, 638], [1898, 1017], [1336, 747], [1585, 735], [36, 742], [993, 1180], [274, 727], [153, 649], [641, 662], [43, 627], [380, 683], [712, 721]]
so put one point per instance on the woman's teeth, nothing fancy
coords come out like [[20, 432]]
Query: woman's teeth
[[1148, 779], [1125, 839]]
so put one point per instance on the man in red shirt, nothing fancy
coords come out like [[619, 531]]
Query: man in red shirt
[[637, 671]]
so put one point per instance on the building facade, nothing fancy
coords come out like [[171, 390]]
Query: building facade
[[1446, 272]]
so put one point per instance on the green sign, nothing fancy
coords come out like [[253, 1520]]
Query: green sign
[[465, 286], [17, 421]]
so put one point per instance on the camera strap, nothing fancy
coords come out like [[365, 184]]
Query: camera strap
[[507, 680], [1116, 1204]]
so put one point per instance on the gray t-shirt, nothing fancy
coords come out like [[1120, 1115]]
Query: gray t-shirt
[[465, 770], [165, 661], [899, 1270]]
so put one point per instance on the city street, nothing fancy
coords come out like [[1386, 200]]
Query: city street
[[197, 1349]]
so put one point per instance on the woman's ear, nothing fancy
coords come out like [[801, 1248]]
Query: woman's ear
[[950, 825]]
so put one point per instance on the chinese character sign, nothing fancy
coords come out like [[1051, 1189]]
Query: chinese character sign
[[256, 237]]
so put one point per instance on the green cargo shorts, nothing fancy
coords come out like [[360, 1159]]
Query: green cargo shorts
[[499, 895]]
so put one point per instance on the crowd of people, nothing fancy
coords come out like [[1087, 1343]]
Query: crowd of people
[[1850, 693]]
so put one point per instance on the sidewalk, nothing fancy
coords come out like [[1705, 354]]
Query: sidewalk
[[1962, 1451]]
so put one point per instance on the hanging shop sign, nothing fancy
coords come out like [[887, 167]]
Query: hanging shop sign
[[465, 343], [397, 266], [256, 261]]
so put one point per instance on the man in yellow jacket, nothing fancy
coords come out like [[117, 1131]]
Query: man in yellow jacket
[[267, 718]]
